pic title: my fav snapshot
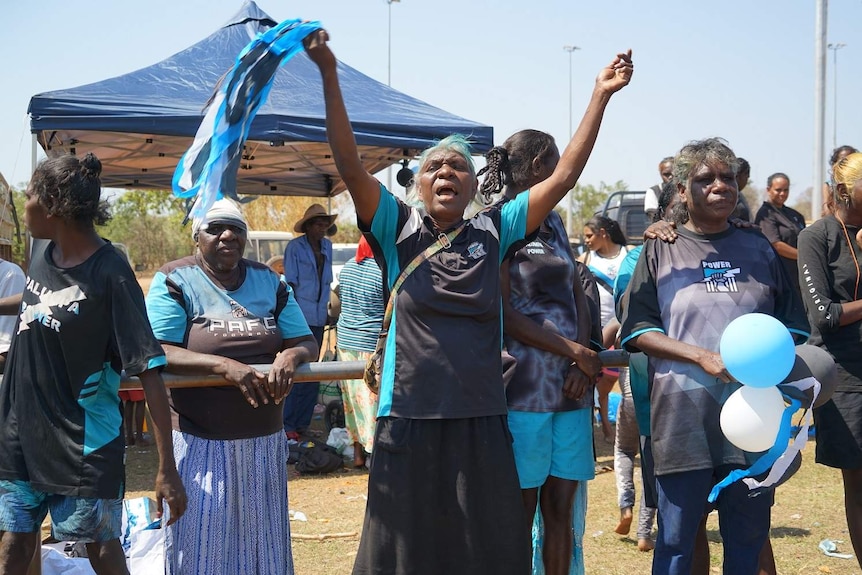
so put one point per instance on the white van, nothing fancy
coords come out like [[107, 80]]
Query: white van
[[341, 253], [266, 246]]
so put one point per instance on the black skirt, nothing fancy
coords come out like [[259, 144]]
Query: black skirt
[[443, 497], [838, 424]]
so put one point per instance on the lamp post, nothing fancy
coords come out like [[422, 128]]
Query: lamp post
[[570, 208], [835, 48], [389, 77], [389, 48]]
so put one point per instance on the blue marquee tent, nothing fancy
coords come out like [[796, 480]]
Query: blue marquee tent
[[139, 124]]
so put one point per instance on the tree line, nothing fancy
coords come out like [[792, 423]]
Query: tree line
[[150, 222]]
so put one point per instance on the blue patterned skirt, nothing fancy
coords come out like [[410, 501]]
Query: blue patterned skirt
[[237, 516]]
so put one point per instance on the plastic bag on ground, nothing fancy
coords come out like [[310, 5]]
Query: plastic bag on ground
[[338, 439]]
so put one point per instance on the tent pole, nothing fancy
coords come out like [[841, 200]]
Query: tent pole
[[34, 143]]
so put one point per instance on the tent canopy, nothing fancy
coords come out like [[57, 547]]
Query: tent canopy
[[141, 123]]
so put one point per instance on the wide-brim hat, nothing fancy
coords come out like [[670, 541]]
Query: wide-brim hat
[[313, 211]]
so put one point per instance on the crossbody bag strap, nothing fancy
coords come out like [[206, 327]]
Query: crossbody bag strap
[[443, 241]]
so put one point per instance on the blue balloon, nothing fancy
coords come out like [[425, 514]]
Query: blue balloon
[[757, 350]]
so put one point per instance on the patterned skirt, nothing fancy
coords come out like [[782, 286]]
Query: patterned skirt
[[360, 405], [237, 515]]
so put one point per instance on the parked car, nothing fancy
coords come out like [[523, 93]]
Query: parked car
[[268, 247], [341, 253], [627, 208]]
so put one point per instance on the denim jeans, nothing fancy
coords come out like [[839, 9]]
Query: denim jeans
[[626, 446], [299, 405], [743, 521]]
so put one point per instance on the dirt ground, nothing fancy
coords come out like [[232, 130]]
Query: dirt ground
[[808, 509]]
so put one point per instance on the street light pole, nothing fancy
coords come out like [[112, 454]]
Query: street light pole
[[835, 48], [820, 19], [389, 48], [389, 78], [570, 208]]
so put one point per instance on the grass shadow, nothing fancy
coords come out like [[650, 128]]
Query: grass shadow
[[714, 536], [782, 532]]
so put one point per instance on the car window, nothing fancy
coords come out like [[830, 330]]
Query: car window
[[340, 255], [266, 248]]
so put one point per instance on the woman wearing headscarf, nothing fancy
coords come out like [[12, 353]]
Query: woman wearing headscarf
[[217, 313], [362, 306]]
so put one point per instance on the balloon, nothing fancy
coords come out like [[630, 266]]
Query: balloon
[[751, 416], [757, 350], [816, 362]]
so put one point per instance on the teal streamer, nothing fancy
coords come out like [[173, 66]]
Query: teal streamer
[[768, 459], [208, 169]]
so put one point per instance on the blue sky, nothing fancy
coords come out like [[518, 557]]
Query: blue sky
[[737, 69]]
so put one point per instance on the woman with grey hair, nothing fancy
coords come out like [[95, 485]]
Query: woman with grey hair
[[443, 494], [682, 296]]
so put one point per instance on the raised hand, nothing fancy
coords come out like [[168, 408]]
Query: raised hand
[[318, 50], [617, 74]]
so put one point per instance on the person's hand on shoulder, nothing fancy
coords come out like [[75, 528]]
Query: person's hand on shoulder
[[170, 489], [662, 230], [616, 75], [742, 224]]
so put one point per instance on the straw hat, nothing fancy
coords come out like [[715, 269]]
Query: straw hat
[[313, 211]]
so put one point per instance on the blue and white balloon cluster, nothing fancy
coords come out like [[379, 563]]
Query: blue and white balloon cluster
[[758, 351]]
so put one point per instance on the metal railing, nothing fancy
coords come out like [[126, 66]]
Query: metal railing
[[320, 371]]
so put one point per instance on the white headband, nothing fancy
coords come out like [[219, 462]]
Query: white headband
[[223, 211]]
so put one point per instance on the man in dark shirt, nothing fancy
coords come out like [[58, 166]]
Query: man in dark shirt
[[665, 168]]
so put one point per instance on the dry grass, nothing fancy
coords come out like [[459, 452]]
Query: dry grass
[[807, 510]]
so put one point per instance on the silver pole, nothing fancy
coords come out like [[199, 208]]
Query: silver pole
[[835, 48], [570, 196], [389, 79], [820, 23], [321, 371]]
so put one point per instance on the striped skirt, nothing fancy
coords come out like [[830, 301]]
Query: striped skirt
[[237, 515]]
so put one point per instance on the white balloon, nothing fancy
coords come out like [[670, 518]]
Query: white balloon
[[751, 417]]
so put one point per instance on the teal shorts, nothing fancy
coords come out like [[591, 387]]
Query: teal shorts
[[23, 509], [558, 444]]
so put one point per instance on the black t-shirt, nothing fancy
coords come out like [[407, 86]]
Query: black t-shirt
[[690, 291], [829, 278], [782, 225], [59, 409], [442, 356]]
